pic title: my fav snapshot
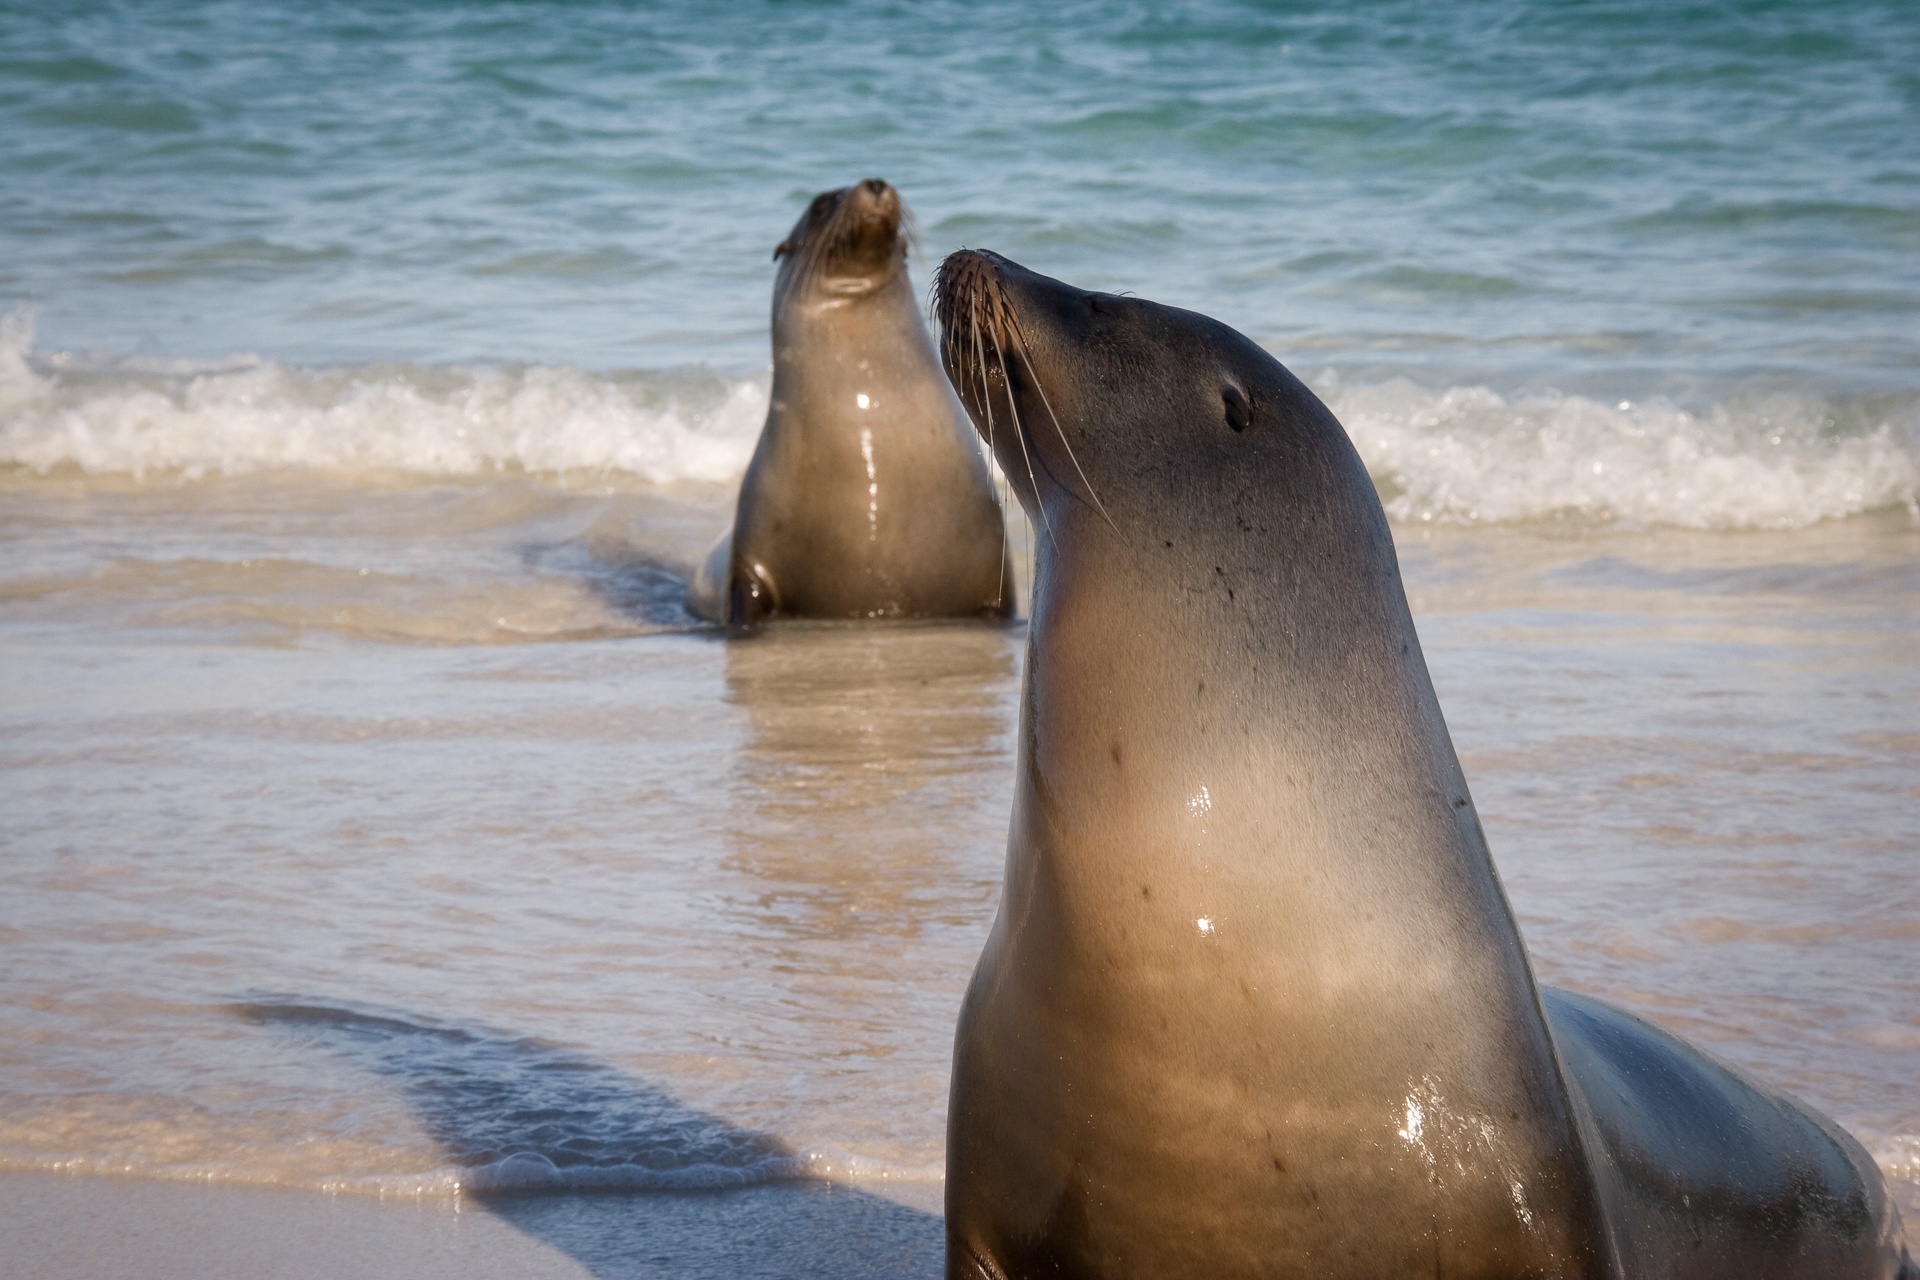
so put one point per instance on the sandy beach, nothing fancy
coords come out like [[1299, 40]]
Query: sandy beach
[[396, 879], [54, 1227], [1689, 750]]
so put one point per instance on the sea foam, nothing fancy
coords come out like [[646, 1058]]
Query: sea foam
[[529, 1172], [1460, 455], [251, 414], [1467, 454]]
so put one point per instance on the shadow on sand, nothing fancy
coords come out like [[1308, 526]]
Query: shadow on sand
[[643, 583], [614, 1172]]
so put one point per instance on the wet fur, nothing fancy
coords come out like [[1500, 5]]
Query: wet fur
[[886, 509], [1240, 546]]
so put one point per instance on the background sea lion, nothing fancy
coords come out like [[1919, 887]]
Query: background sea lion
[[1255, 1003], [867, 495]]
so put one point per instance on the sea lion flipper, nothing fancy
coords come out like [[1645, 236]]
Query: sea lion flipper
[[708, 594], [1705, 1154], [726, 591], [751, 594]]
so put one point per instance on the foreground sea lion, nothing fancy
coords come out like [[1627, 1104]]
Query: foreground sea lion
[[1255, 1003], [867, 495]]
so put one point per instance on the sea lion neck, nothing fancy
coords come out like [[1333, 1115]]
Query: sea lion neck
[[1249, 664], [1237, 806]]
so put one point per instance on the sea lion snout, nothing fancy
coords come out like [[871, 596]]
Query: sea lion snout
[[873, 203], [991, 310], [981, 300], [873, 214]]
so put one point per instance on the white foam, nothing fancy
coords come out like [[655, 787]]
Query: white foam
[[531, 1171], [1468, 454], [1897, 1154], [18, 384], [521, 1173], [252, 415], [1465, 454]]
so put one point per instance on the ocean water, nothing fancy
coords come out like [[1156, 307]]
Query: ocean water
[[371, 375]]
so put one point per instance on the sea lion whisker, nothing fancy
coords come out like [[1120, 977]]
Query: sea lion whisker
[[1020, 434], [910, 246], [1005, 603], [985, 390], [1006, 487], [983, 384], [982, 387], [973, 318], [1018, 340]]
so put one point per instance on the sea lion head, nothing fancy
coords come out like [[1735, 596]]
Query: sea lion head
[[848, 242], [1125, 423]]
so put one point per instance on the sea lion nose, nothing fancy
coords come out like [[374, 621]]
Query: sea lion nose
[[875, 186]]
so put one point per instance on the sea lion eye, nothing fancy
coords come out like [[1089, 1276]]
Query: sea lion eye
[[1239, 412]]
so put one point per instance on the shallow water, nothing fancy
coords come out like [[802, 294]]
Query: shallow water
[[483, 869], [376, 819], [1619, 200]]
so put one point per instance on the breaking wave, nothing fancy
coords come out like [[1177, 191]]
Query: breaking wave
[[1468, 455], [251, 414], [1463, 454]]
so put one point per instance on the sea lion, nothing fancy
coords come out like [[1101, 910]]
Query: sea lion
[[867, 495], [1254, 1003]]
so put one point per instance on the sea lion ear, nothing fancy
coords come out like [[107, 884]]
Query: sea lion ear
[[782, 249], [1239, 408]]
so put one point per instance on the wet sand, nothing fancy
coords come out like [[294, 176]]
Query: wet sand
[[54, 1227], [326, 880]]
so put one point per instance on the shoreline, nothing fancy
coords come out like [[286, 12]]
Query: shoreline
[[100, 1227]]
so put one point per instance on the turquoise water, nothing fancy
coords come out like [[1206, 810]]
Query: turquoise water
[[370, 375], [1685, 237], [1621, 199]]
